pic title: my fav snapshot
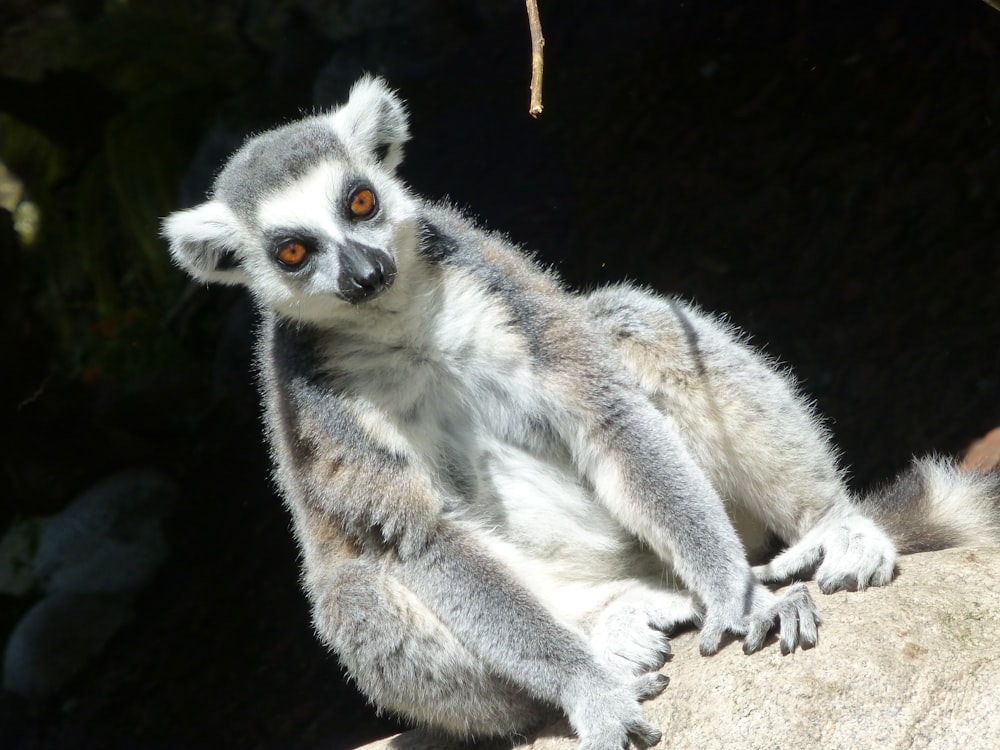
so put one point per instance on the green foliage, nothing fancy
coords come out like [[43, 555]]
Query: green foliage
[[99, 119]]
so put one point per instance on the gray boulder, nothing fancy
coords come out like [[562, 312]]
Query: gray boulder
[[109, 540], [92, 559], [57, 638], [913, 665]]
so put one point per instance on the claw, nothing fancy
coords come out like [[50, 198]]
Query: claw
[[710, 641], [844, 554], [651, 685], [644, 735], [754, 640], [808, 630]]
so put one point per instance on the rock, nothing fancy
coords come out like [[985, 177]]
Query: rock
[[912, 665], [92, 558], [109, 539], [984, 454], [57, 638]]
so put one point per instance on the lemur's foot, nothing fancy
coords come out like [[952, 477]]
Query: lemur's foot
[[844, 554], [631, 635]]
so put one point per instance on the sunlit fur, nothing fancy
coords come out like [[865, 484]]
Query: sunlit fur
[[507, 494]]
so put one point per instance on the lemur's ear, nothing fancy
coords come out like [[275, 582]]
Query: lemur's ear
[[375, 120], [205, 240]]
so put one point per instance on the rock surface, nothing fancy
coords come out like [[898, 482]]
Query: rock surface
[[110, 539], [984, 454], [92, 559], [912, 665], [57, 638]]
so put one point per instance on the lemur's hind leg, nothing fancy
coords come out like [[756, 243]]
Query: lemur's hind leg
[[849, 553], [406, 661], [757, 439]]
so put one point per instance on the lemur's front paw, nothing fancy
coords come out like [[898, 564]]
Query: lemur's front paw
[[849, 553], [794, 615], [409, 535], [609, 717], [631, 635]]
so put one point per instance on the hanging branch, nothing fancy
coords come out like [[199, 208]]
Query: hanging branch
[[537, 44]]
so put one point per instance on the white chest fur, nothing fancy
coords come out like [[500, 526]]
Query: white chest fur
[[454, 386]]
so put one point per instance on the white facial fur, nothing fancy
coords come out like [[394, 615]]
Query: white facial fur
[[315, 206], [294, 183]]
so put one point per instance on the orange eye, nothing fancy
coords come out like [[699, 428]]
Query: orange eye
[[291, 253], [362, 202]]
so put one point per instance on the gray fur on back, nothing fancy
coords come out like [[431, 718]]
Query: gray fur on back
[[506, 494]]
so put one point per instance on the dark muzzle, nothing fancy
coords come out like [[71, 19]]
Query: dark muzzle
[[365, 272]]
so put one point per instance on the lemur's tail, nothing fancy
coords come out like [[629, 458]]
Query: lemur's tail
[[935, 504]]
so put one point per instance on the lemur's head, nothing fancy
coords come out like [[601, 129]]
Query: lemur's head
[[309, 216]]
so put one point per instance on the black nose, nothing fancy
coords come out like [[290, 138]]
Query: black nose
[[365, 272]]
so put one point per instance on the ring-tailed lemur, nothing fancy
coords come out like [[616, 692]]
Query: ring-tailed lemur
[[507, 494]]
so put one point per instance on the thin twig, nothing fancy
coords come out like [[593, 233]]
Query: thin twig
[[537, 44]]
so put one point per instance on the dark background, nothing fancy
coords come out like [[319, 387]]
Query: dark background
[[826, 172]]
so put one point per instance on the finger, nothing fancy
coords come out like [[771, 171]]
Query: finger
[[643, 734], [855, 572], [710, 639], [756, 634], [809, 617], [650, 685], [789, 631], [808, 630]]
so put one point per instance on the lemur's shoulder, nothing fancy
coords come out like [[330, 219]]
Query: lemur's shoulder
[[453, 235]]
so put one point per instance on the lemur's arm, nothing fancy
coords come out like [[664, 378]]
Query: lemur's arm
[[644, 474], [502, 623], [355, 467]]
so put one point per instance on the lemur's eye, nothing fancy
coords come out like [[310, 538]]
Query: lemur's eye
[[362, 202], [292, 253]]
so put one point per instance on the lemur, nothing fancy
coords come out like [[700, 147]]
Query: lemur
[[508, 494]]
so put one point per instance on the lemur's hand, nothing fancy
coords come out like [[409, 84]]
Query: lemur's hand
[[794, 615], [631, 636], [409, 533], [607, 714], [846, 553]]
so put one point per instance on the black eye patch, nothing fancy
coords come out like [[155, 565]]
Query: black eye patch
[[227, 261]]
